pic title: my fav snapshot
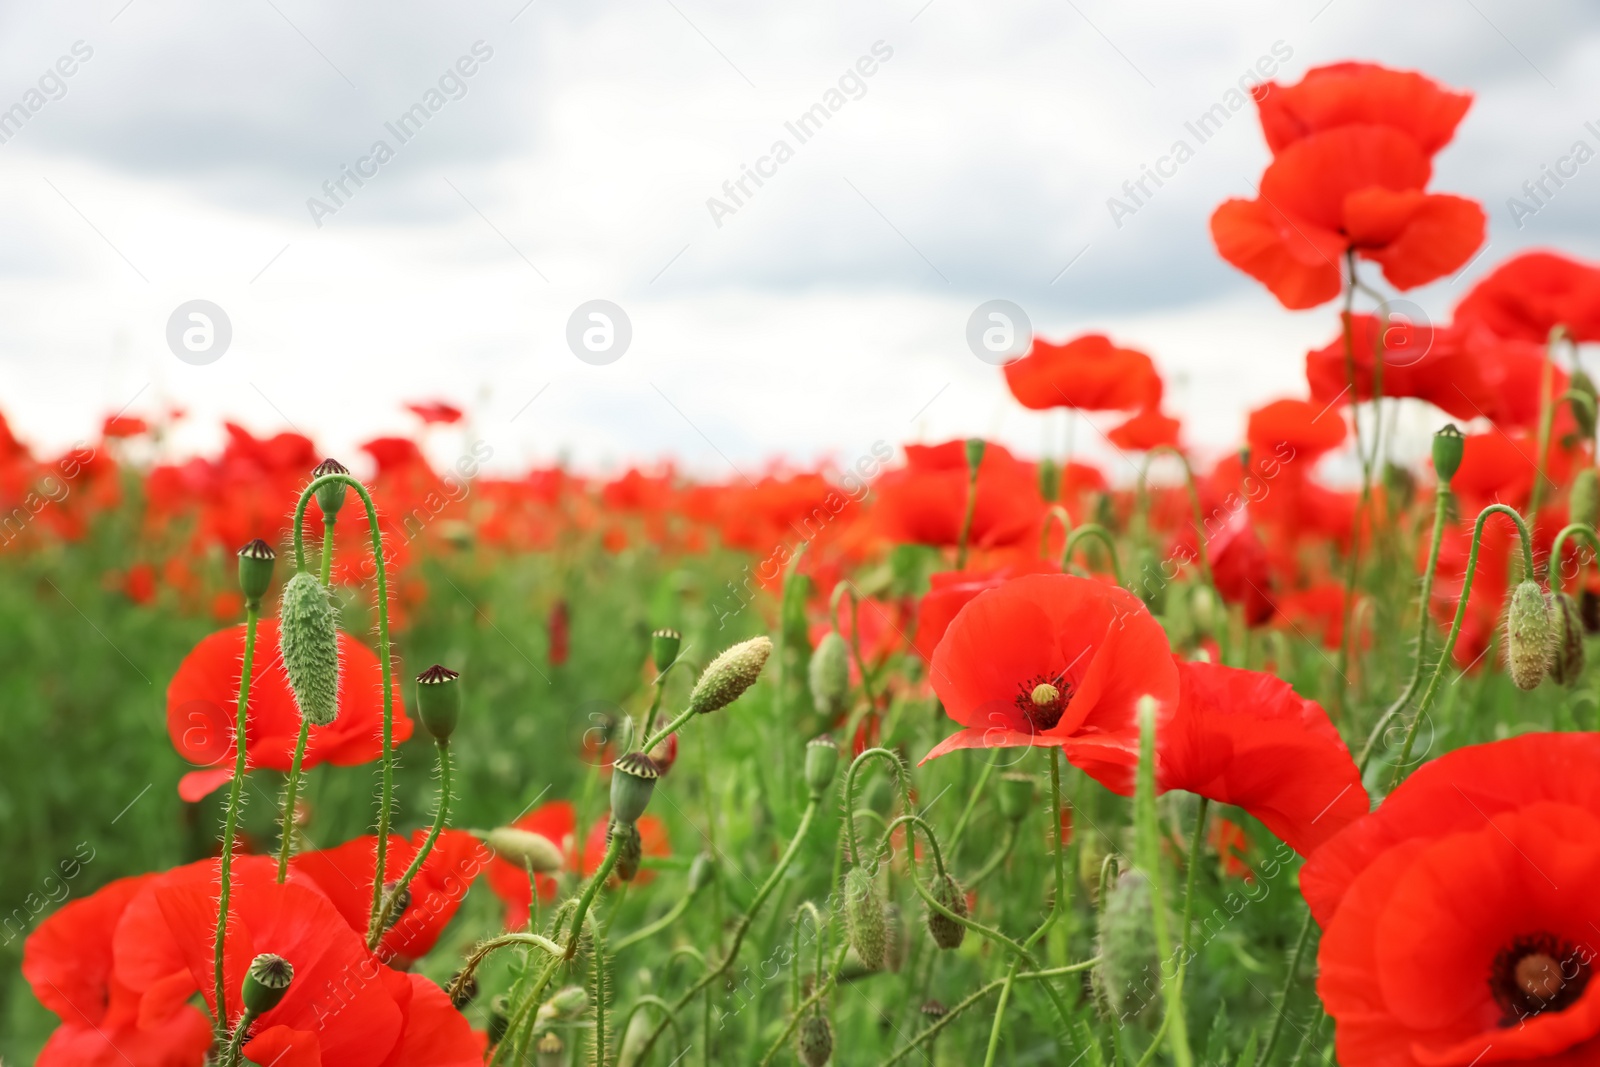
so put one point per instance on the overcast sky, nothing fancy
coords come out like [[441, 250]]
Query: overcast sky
[[827, 310]]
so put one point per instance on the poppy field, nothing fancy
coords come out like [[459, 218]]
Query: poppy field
[[948, 756]]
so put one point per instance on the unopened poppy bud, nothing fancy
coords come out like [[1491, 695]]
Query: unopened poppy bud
[[894, 938], [946, 932], [523, 848], [1566, 659], [1015, 795], [1208, 615], [829, 673], [499, 1019], [439, 701], [1581, 386], [822, 760], [730, 674], [1127, 945], [976, 447], [1583, 502], [815, 1040], [550, 1050], [569, 1002], [632, 781], [1049, 480], [330, 497], [310, 643], [701, 871], [1530, 633], [664, 646], [255, 570], [863, 913], [266, 982], [1448, 445], [631, 852]]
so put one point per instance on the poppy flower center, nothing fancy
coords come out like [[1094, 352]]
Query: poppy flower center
[[1535, 974], [1043, 699]]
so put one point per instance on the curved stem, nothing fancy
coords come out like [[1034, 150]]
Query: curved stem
[[443, 812], [1553, 576], [290, 792], [252, 615], [1061, 515], [1099, 533], [613, 850], [916, 820], [236, 1040], [646, 932], [484, 948], [1197, 512], [999, 1014], [666, 731], [993, 863], [1547, 415], [850, 790]]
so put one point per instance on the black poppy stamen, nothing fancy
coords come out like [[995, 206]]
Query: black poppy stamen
[[1043, 699], [1535, 974]]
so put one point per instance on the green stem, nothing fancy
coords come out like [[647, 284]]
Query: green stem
[[236, 1040], [993, 863], [252, 615], [1281, 1006], [1547, 415], [850, 791], [972, 804], [1553, 576], [966, 519], [376, 934], [666, 731], [999, 1014], [1059, 903], [646, 932], [327, 549], [1099, 533], [612, 852], [1353, 560], [1148, 837], [290, 792], [1188, 889]]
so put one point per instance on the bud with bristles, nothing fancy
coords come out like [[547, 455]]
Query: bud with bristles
[[310, 643], [1581, 386], [863, 912], [946, 932], [1583, 502], [266, 982], [730, 674], [1566, 658], [822, 761], [1127, 945], [569, 1002], [467, 994], [815, 1041], [633, 779], [829, 674], [330, 497], [1016, 795], [1530, 633], [631, 854], [255, 570], [439, 701], [523, 848], [664, 646], [1448, 446]]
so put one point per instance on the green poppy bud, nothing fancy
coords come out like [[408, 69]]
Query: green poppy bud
[[523, 848], [310, 643], [664, 646], [1566, 659], [266, 982], [1582, 388], [822, 760], [633, 779], [829, 674], [569, 1002], [255, 570], [1127, 946], [1448, 445], [1015, 794], [864, 918], [631, 853], [815, 1041], [1049, 480], [1583, 502], [947, 933], [330, 497], [439, 701], [1530, 633], [976, 447], [701, 871], [730, 674]]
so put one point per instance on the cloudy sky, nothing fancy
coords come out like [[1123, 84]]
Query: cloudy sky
[[569, 152]]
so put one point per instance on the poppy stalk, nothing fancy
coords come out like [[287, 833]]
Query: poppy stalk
[[252, 615], [975, 450], [1547, 415], [1147, 837]]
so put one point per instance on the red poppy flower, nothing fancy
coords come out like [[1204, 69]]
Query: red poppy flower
[[68, 961], [1530, 293], [1459, 919], [344, 874], [1088, 373], [925, 502], [950, 591], [1419, 360], [435, 411], [556, 822], [1248, 739], [1147, 430], [1241, 569], [1230, 843], [123, 426], [1054, 660], [1295, 430], [203, 698], [1498, 467], [435, 1033], [1361, 94]]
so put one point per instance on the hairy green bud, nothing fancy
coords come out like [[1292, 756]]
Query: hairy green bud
[[730, 674], [864, 918], [523, 848], [1127, 946], [310, 643], [822, 761], [1566, 658], [1583, 502], [1530, 634], [829, 673], [815, 1041], [946, 932], [266, 982]]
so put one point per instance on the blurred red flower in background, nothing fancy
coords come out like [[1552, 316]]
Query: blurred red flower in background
[[925, 501], [1088, 373], [1529, 294]]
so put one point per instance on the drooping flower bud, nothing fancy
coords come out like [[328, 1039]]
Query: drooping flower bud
[[266, 982], [439, 701], [822, 760], [467, 994], [815, 1040], [1530, 632], [524, 848], [310, 643], [829, 674], [1015, 794], [499, 1019], [1128, 956], [946, 932], [863, 913], [330, 497], [1566, 658], [255, 570], [1583, 502], [632, 781], [1448, 446], [701, 870], [1582, 388], [894, 938], [664, 646], [631, 854], [730, 674]]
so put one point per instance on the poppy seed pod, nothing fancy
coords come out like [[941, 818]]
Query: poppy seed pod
[[1015, 795], [1448, 446], [1566, 657], [976, 447], [1583, 502], [439, 701], [1530, 633], [523, 848], [664, 646], [946, 932], [310, 643], [829, 673], [266, 982], [631, 853], [633, 779], [730, 674], [815, 1041], [330, 497], [822, 760], [255, 570], [1127, 944], [863, 913]]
